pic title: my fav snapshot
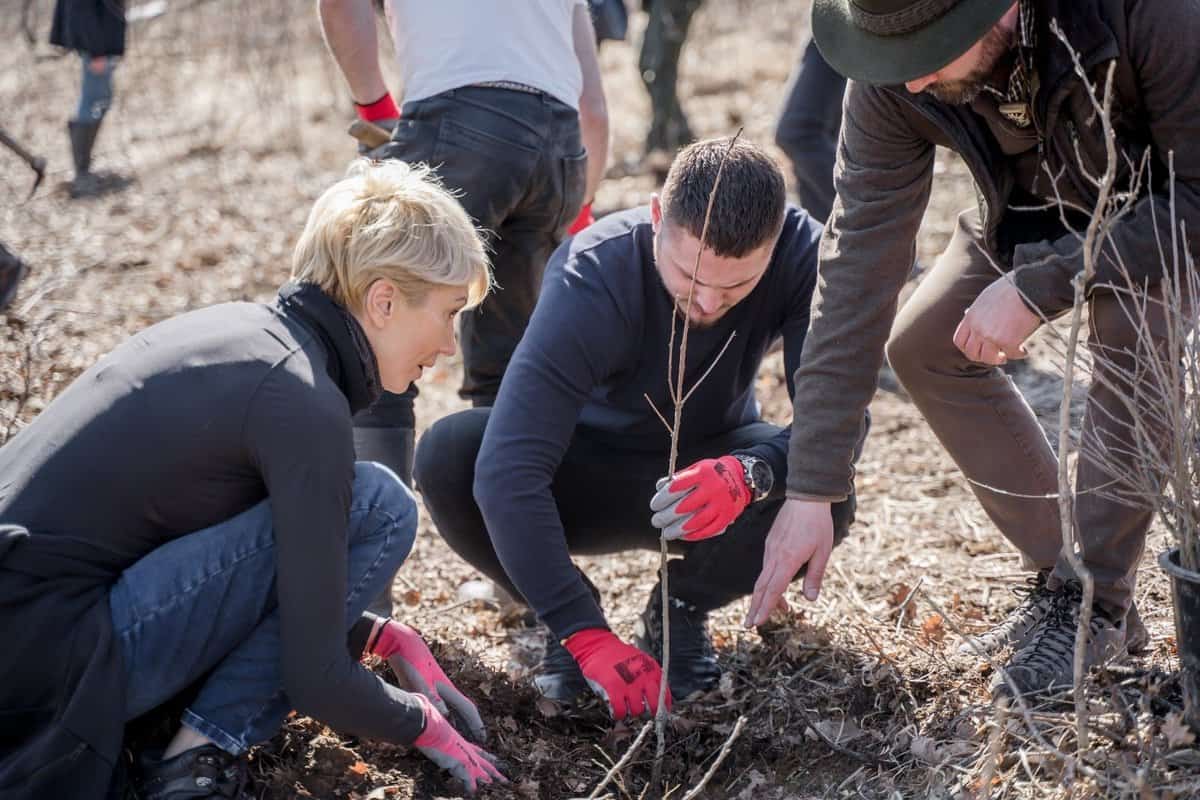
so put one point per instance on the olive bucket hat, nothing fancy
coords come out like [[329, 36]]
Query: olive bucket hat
[[894, 41]]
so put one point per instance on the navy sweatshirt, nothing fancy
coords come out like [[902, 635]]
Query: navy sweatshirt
[[595, 346]]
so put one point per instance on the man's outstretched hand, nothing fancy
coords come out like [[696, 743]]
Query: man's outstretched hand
[[624, 676], [802, 534], [417, 669], [443, 745]]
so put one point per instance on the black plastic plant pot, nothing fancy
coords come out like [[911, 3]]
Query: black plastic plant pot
[[1185, 590]]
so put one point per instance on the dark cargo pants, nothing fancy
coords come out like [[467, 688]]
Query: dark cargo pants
[[992, 434], [517, 163]]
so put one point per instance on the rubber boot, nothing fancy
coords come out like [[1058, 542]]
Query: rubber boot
[[88, 183], [393, 448], [83, 139]]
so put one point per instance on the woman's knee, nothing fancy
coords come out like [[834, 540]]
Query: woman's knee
[[378, 488]]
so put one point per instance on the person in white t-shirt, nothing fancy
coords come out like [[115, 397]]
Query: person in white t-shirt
[[504, 100]]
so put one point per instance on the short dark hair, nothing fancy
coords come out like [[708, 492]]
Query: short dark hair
[[749, 206]]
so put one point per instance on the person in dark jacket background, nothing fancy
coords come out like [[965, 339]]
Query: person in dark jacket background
[[95, 29], [190, 508]]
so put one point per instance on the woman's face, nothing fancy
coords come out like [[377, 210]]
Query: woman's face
[[407, 338]]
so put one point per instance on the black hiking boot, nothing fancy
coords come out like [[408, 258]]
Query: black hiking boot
[[1045, 663], [1036, 601], [1014, 630], [692, 668], [559, 677], [198, 774]]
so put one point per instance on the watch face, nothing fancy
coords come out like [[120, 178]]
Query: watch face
[[761, 475]]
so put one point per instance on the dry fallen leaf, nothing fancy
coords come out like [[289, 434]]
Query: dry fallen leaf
[[933, 629], [359, 768], [529, 789], [926, 750], [1177, 731], [548, 708], [898, 594], [838, 730], [725, 686]]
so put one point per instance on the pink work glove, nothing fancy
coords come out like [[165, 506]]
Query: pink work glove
[[624, 676], [443, 745], [702, 500], [584, 219], [417, 669]]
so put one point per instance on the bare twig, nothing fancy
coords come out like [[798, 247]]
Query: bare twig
[[634, 747], [679, 397], [712, 770], [840, 749], [1094, 239]]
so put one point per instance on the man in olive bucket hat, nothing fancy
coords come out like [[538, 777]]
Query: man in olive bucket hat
[[991, 80]]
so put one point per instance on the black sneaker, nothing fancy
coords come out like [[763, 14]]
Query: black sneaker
[[559, 677], [693, 667], [1014, 630], [197, 774], [1046, 662]]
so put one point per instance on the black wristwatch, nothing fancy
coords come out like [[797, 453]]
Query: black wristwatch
[[760, 478]]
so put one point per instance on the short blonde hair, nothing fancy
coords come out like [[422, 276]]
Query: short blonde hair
[[390, 220]]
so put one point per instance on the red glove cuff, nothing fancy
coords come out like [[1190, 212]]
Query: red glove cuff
[[580, 643], [383, 108], [584, 219]]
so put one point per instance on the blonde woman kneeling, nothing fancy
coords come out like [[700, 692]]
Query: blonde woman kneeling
[[190, 508]]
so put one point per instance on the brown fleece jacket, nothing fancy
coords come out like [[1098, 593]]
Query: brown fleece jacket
[[883, 178]]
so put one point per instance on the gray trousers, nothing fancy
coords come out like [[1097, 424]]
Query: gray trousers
[[992, 434]]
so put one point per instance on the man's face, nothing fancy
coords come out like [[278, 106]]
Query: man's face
[[961, 81], [721, 283]]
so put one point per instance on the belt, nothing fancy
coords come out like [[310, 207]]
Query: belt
[[513, 85]]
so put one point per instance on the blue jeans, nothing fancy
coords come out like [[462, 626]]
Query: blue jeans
[[96, 88], [205, 604]]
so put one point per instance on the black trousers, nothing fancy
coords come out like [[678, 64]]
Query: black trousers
[[603, 496], [517, 162], [808, 129]]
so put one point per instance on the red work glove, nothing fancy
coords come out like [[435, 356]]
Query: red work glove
[[702, 500], [584, 219], [382, 109], [443, 745], [624, 676], [417, 669]]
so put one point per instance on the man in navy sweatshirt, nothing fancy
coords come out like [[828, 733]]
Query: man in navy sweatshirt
[[569, 459]]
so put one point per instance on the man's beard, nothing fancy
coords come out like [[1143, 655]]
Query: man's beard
[[964, 90], [694, 324]]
